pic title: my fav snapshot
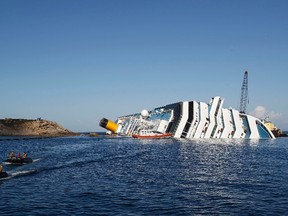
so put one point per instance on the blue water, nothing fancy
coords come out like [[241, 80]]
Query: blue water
[[124, 176]]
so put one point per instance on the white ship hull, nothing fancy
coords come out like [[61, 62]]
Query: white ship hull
[[192, 119]]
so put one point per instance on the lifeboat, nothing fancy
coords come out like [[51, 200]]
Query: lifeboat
[[148, 134]]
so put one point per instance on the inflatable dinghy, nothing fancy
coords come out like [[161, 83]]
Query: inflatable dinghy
[[18, 161], [3, 175]]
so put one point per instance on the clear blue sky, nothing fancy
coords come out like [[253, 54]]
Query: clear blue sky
[[75, 62]]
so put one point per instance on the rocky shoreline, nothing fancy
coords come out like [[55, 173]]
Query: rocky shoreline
[[32, 127]]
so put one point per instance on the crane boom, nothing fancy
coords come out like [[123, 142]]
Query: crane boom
[[244, 93]]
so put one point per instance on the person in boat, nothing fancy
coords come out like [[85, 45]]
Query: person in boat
[[2, 173], [24, 155], [19, 155], [11, 155]]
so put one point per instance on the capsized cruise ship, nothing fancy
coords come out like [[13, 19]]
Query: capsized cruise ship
[[191, 119]]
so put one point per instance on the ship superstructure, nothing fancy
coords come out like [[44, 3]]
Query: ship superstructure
[[192, 119]]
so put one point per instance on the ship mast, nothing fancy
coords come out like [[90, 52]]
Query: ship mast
[[244, 94]]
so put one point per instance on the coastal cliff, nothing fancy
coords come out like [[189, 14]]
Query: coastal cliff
[[31, 127]]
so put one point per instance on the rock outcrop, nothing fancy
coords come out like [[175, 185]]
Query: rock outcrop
[[30, 127]]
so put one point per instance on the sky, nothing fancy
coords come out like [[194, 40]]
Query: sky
[[77, 61]]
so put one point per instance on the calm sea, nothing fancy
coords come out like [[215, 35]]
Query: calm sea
[[125, 176]]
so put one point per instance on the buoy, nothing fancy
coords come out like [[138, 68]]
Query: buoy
[[109, 125]]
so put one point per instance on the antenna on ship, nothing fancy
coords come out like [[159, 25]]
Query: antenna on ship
[[244, 94]]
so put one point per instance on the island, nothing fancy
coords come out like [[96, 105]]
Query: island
[[32, 127]]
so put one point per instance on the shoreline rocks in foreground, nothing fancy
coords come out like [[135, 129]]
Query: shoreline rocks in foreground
[[32, 127]]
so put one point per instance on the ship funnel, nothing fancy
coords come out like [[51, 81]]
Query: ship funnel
[[109, 125]]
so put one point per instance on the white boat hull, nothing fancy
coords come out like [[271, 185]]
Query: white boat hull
[[192, 119]]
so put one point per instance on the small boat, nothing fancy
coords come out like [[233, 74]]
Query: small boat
[[148, 134], [18, 161], [3, 175]]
